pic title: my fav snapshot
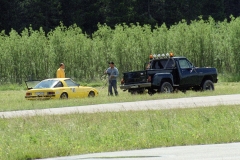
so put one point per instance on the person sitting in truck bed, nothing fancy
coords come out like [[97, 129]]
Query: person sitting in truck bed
[[150, 61]]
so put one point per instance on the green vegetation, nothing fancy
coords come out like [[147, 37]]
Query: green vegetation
[[61, 135], [35, 55]]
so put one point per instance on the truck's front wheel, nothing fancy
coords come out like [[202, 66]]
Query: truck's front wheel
[[208, 85], [166, 87]]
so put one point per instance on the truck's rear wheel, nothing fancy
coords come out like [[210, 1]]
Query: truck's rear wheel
[[137, 91], [208, 85], [151, 92], [166, 87]]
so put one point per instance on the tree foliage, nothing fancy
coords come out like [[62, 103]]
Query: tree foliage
[[19, 14]]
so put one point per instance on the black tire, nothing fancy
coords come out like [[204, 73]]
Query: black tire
[[91, 94], [64, 96], [133, 92], [151, 92], [208, 85], [166, 87], [137, 91]]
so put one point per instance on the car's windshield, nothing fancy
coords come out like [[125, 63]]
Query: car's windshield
[[46, 84]]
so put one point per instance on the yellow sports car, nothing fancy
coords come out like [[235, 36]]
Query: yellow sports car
[[57, 88]]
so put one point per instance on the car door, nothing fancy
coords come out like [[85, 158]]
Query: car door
[[73, 89]]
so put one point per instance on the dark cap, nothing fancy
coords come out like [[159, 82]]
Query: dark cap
[[111, 63]]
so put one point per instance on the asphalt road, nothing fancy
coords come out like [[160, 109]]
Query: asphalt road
[[229, 151], [127, 106]]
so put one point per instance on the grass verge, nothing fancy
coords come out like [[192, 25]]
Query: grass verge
[[62, 135], [14, 99]]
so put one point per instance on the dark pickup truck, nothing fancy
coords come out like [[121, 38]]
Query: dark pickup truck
[[168, 74]]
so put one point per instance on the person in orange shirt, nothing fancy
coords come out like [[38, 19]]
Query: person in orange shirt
[[60, 71]]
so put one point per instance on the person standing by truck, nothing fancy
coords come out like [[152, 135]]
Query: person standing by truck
[[112, 73]]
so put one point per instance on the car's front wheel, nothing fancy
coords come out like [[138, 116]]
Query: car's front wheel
[[91, 94], [64, 96]]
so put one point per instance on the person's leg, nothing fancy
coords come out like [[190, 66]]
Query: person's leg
[[114, 84], [110, 88]]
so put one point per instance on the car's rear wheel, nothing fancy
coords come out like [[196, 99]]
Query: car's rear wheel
[[166, 87], [208, 85], [64, 96], [91, 94]]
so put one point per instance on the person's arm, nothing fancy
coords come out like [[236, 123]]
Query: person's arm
[[63, 74], [117, 73], [108, 71], [58, 73]]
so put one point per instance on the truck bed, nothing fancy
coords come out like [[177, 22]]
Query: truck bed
[[135, 77]]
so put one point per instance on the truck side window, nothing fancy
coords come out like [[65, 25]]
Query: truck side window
[[184, 63]]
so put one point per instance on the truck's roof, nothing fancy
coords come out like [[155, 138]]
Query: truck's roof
[[171, 57], [162, 63]]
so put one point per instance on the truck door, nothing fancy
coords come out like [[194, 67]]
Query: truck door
[[188, 75]]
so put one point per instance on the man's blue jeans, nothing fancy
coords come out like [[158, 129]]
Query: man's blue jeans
[[112, 84]]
